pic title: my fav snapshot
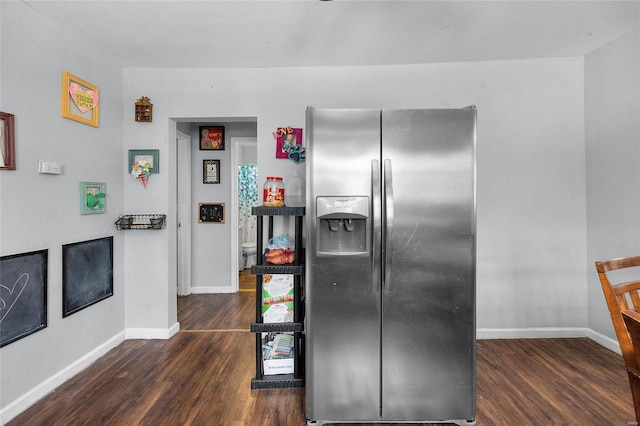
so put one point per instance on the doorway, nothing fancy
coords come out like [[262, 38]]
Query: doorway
[[194, 270], [243, 153]]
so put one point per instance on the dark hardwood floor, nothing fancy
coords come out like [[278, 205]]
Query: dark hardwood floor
[[202, 376]]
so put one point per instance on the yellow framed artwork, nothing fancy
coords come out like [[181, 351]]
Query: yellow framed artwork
[[80, 100]]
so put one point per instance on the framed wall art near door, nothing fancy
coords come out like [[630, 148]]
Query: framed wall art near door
[[210, 171], [288, 139], [7, 142], [210, 212], [211, 138], [93, 197], [80, 100], [145, 156], [23, 310]]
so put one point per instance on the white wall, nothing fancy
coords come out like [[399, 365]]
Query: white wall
[[612, 116], [43, 211], [531, 175]]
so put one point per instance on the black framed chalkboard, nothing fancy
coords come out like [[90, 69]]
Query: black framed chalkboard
[[87, 274], [210, 212], [23, 295]]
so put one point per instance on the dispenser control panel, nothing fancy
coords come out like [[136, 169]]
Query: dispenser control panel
[[353, 207], [341, 225]]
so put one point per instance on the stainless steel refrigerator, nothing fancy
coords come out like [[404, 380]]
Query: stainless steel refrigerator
[[390, 266]]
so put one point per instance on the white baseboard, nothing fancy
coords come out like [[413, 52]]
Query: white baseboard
[[549, 333], [208, 290], [530, 333], [25, 401], [607, 342], [152, 333]]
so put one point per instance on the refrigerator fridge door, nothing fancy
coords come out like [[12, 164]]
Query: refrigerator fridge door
[[428, 326], [342, 296], [390, 288]]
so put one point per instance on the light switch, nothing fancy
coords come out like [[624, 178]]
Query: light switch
[[49, 167]]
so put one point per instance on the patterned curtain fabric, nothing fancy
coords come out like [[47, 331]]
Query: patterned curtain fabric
[[248, 198]]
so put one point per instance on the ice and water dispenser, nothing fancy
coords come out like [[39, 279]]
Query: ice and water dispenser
[[341, 227]]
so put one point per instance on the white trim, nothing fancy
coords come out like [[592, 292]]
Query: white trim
[[17, 406], [530, 333], [152, 333], [607, 342], [183, 211], [548, 333], [213, 290]]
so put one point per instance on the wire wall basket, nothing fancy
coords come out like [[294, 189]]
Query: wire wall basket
[[141, 221]]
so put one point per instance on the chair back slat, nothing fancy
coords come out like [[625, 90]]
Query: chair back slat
[[627, 295], [635, 299], [623, 302], [618, 263]]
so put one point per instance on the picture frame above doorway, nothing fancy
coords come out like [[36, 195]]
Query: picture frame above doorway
[[211, 138]]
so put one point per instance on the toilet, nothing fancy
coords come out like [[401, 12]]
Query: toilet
[[249, 254]]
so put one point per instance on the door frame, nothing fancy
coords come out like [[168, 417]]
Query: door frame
[[237, 143], [183, 212]]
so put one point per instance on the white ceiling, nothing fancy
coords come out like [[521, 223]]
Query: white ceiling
[[270, 33]]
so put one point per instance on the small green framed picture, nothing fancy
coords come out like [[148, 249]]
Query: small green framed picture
[[143, 157], [93, 197]]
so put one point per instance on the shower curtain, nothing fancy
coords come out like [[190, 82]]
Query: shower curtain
[[248, 198]]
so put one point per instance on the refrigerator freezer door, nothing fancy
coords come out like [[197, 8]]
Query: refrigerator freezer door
[[428, 321], [343, 304]]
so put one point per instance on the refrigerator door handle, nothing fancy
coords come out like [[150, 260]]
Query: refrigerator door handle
[[388, 225], [376, 226]]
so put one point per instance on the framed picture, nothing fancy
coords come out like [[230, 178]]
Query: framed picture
[[288, 139], [87, 274], [211, 138], [93, 197], [210, 212], [23, 303], [146, 156], [80, 100], [210, 171], [7, 142]]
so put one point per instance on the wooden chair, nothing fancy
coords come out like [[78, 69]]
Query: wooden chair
[[623, 296], [632, 321]]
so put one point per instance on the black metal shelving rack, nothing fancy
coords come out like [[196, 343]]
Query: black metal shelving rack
[[295, 380]]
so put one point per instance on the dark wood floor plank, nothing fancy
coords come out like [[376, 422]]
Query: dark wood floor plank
[[551, 381], [201, 377]]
